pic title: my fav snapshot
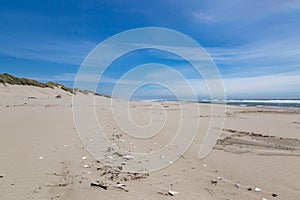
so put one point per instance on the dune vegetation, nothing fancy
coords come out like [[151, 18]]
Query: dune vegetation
[[12, 80]]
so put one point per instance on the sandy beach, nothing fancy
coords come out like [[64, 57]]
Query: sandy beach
[[257, 155]]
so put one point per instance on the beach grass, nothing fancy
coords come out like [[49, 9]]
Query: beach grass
[[13, 80]]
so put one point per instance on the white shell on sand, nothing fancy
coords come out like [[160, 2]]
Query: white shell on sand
[[257, 189], [121, 185], [172, 193], [128, 157]]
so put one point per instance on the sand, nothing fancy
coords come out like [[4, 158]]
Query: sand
[[42, 157]]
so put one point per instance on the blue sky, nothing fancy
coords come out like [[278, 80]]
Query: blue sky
[[255, 44]]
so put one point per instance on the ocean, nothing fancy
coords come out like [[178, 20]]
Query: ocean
[[263, 103]]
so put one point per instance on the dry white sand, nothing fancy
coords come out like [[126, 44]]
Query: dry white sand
[[41, 154]]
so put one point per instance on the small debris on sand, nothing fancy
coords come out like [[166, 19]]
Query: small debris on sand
[[214, 182], [84, 157], [63, 184], [237, 185], [257, 189], [99, 184], [116, 175], [274, 195], [172, 193], [41, 157], [167, 192], [128, 157], [1, 176], [86, 166], [163, 192], [121, 186]]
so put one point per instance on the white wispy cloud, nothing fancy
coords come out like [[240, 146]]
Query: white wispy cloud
[[63, 52], [282, 85], [268, 86], [286, 50], [231, 10], [202, 16]]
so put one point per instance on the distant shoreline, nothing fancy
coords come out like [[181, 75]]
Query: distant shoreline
[[291, 104]]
